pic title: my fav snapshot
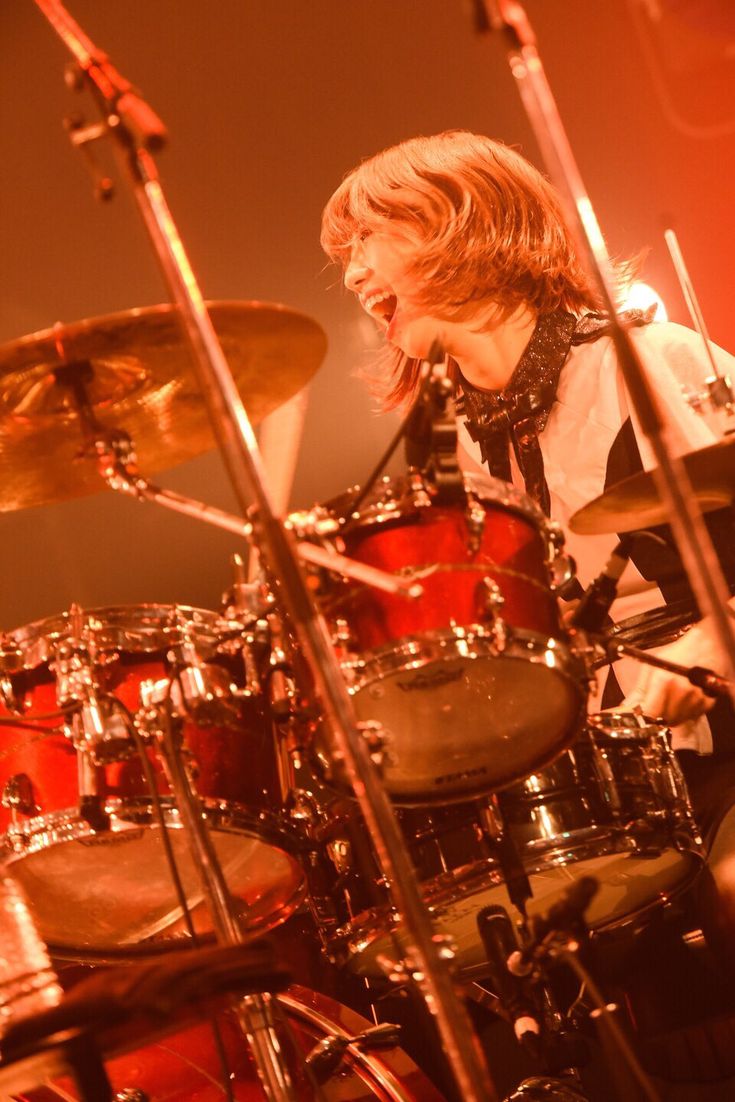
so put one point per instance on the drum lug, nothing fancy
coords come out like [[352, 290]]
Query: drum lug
[[130, 1094], [475, 516], [326, 1056], [489, 599], [489, 602], [304, 810], [17, 795], [562, 568], [343, 640], [375, 737], [14, 702], [339, 852]]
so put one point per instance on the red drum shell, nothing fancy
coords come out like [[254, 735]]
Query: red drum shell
[[185, 1067], [95, 890], [473, 683]]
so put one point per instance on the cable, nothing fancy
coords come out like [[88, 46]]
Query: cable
[[171, 861], [355, 504]]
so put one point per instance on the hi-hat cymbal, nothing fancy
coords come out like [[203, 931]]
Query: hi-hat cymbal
[[634, 502], [141, 381]]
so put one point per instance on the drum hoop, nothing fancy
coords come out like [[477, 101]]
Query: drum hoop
[[137, 629], [456, 886], [356, 1055], [128, 816], [619, 726], [414, 497], [470, 642]]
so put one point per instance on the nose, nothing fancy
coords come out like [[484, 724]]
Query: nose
[[357, 270]]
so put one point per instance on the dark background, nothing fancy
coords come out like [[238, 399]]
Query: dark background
[[268, 105]]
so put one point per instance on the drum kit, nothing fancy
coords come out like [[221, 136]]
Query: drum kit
[[471, 695], [172, 776]]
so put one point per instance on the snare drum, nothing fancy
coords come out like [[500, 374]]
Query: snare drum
[[474, 683], [100, 881], [614, 807], [189, 1065]]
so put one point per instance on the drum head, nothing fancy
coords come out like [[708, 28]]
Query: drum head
[[105, 889], [467, 720]]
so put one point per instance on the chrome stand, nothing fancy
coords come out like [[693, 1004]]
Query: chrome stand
[[137, 130], [692, 538]]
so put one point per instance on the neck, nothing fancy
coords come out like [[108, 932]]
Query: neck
[[487, 359]]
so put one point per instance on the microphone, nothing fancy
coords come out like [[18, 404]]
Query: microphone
[[567, 915], [431, 404], [499, 941], [594, 606], [431, 431]]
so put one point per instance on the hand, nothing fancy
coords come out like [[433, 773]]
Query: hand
[[666, 696]]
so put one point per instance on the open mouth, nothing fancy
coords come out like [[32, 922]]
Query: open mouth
[[382, 306]]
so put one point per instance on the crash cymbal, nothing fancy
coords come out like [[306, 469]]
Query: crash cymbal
[[634, 502], [141, 381]]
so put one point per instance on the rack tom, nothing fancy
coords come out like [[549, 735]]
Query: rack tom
[[79, 824], [474, 684]]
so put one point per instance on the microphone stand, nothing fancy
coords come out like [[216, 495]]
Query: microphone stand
[[695, 546], [137, 130]]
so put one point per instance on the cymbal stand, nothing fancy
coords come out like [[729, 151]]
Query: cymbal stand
[[719, 387], [137, 131], [121, 476], [695, 546]]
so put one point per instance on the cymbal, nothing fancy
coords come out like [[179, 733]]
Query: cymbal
[[143, 382], [634, 502]]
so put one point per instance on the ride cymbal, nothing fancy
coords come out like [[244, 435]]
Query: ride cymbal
[[634, 502], [139, 378]]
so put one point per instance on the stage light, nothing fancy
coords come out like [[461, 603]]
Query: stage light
[[641, 296]]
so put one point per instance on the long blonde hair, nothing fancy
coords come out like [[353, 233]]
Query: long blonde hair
[[490, 224]]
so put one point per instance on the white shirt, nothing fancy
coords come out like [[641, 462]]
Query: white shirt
[[590, 408]]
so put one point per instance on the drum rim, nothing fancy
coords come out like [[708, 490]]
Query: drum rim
[[457, 884], [41, 832], [435, 645], [413, 497], [138, 629]]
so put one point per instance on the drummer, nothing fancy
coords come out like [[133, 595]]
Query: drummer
[[458, 238]]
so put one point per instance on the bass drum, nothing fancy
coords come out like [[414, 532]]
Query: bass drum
[[186, 1067], [94, 867]]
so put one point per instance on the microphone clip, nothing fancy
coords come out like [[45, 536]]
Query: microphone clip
[[431, 430]]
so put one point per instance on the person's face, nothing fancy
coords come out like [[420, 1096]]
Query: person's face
[[378, 272]]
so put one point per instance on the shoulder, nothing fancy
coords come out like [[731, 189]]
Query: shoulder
[[667, 349]]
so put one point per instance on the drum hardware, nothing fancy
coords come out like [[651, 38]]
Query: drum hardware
[[718, 392], [257, 1014], [519, 975], [475, 518], [327, 1055], [18, 796], [126, 480], [93, 898], [179, 1054], [679, 493], [614, 807], [485, 631], [431, 431]]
